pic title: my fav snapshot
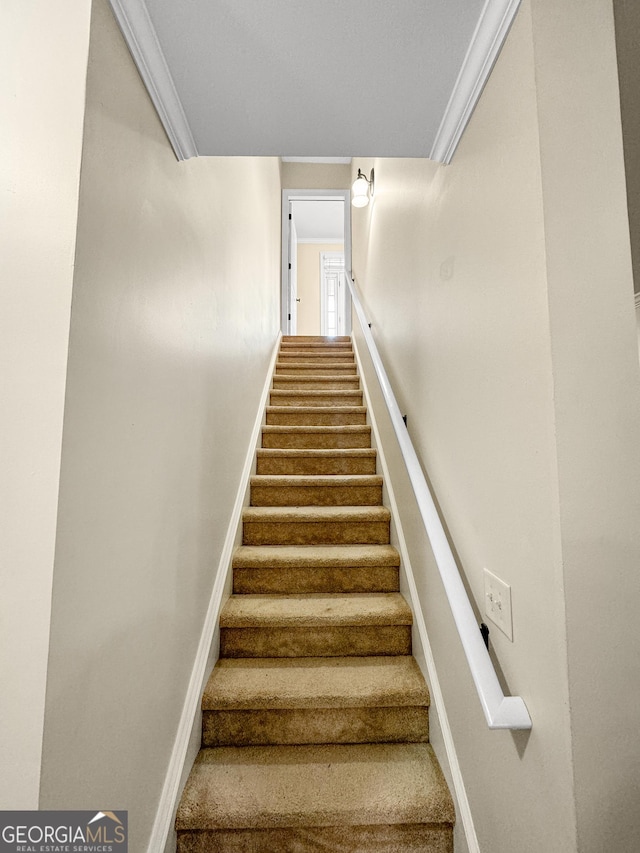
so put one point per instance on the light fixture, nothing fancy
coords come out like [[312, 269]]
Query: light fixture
[[362, 189]]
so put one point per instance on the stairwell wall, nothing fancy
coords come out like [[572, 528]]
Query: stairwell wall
[[44, 48], [174, 318], [313, 176], [485, 285]]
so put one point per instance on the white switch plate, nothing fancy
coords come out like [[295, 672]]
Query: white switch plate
[[497, 603]]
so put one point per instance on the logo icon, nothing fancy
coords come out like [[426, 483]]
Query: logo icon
[[100, 815]]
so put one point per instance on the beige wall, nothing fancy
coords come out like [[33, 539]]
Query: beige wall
[[519, 374], [309, 284], [175, 316], [44, 53], [627, 19], [314, 176], [597, 403]]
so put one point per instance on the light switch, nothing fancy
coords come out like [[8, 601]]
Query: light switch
[[497, 603]]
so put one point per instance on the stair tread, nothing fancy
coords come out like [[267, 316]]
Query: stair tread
[[327, 338], [311, 428], [316, 393], [318, 514], [317, 479], [304, 365], [317, 556], [341, 351], [316, 451], [323, 377], [319, 609], [308, 361], [325, 785], [317, 410], [393, 681], [330, 344]]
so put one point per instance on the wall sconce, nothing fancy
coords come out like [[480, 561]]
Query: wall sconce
[[362, 190]]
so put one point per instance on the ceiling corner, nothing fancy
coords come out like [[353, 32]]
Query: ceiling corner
[[485, 45], [141, 38]]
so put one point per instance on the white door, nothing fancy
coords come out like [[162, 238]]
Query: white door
[[332, 294], [293, 279]]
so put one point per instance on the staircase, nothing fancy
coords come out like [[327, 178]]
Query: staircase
[[315, 719]]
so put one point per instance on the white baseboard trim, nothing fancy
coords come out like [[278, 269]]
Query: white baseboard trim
[[169, 797], [464, 809], [142, 41], [486, 42]]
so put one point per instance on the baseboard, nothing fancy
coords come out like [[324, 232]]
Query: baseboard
[[171, 790], [464, 809]]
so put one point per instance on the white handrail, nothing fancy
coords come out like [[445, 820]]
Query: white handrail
[[501, 712]]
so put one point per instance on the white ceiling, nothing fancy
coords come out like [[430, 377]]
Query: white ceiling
[[315, 78], [319, 220]]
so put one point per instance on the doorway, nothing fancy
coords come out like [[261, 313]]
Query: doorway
[[332, 279], [316, 256]]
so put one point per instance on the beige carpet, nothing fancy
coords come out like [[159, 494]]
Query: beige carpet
[[315, 718]]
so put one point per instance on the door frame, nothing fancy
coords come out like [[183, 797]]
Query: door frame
[[289, 195], [292, 290]]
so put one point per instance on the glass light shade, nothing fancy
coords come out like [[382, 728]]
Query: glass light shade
[[360, 193]]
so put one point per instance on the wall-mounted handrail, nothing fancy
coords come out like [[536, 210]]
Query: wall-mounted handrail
[[501, 712]]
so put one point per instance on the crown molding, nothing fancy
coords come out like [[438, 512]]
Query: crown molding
[[637, 299], [142, 41], [486, 42]]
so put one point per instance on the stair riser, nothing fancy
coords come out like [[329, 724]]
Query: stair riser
[[298, 581], [317, 440], [312, 383], [316, 533], [300, 398], [316, 495], [398, 838], [316, 725], [318, 418], [311, 465], [314, 641], [336, 368]]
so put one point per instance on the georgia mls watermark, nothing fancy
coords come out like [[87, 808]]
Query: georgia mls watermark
[[63, 832]]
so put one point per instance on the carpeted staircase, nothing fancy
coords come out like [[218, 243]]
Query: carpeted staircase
[[315, 719]]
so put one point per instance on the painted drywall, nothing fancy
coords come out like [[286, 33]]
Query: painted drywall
[[175, 316], [309, 284], [627, 21], [316, 176], [597, 407], [44, 48], [483, 282]]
